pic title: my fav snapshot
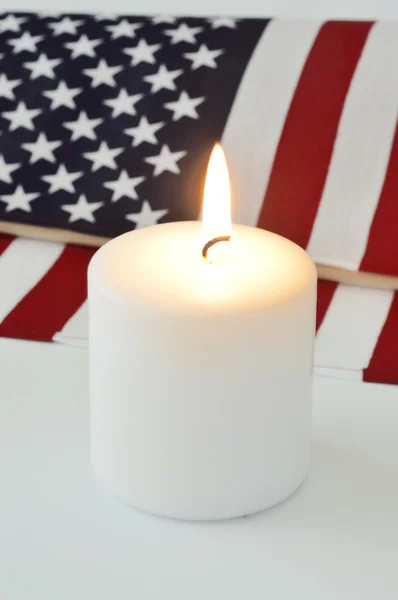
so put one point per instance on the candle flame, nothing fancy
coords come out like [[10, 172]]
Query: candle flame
[[216, 214]]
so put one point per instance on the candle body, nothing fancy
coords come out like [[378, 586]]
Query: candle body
[[200, 376]]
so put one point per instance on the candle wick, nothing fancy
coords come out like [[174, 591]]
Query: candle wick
[[210, 243]]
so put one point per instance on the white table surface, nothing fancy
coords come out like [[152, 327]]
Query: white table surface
[[61, 538]]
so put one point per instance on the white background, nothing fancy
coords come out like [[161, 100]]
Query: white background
[[358, 9]]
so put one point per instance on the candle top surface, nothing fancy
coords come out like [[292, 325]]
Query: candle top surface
[[163, 267]]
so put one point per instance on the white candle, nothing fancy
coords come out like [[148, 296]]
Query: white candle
[[201, 373]]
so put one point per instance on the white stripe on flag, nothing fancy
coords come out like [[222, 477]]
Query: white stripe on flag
[[75, 331], [351, 327], [360, 156], [259, 111], [22, 265]]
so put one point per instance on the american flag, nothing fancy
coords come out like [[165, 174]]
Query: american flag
[[107, 123]]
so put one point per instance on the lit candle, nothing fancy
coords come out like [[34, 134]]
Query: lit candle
[[201, 363]]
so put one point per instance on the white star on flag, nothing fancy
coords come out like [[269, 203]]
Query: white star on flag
[[42, 67], [21, 117], [19, 199], [222, 22], [146, 217], [41, 149], [7, 86], [62, 96], [62, 180], [103, 157], [83, 47], [27, 42], [102, 74], [7, 169], [184, 107], [144, 132], [165, 161], [163, 19], [123, 103], [123, 29], [82, 209], [124, 186], [183, 33], [203, 57], [83, 127], [66, 25], [163, 79], [11, 23], [142, 52]]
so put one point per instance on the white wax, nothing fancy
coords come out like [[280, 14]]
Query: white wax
[[200, 374]]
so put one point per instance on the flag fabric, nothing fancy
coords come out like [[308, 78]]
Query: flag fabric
[[357, 333], [357, 328], [107, 123], [317, 107]]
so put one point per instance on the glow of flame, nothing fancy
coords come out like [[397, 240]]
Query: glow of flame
[[216, 213]]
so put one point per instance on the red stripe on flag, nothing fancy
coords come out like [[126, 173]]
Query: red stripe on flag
[[381, 255], [53, 301], [326, 290], [305, 148], [383, 366], [5, 241]]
